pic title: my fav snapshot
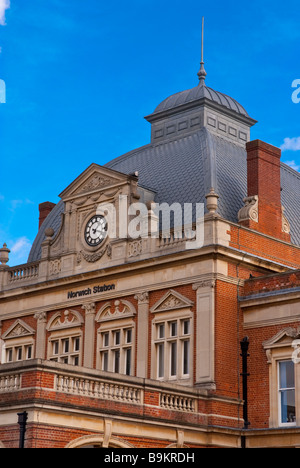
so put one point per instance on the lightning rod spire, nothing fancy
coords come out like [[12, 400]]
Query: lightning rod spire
[[202, 73]]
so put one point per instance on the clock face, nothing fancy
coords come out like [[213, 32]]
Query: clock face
[[95, 230]]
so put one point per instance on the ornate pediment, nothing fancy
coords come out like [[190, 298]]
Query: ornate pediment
[[282, 338], [18, 330], [67, 319], [93, 180], [172, 300], [118, 310]]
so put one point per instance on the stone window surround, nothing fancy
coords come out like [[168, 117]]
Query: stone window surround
[[167, 318], [280, 348]]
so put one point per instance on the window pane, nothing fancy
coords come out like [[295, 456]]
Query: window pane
[[287, 379], [161, 360], [288, 410], [161, 330], [28, 352], [105, 340], [66, 346], [105, 361], [186, 327], [55, 347], [173, 359], [76, 360], [128, 361], [174, 329], [117, 361], [186, 357], [117, 337], [128, 336], [9, 355], [19, 354]]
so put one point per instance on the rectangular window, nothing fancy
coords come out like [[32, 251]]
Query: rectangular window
[[116, 352], [172, 346], [287, 392]]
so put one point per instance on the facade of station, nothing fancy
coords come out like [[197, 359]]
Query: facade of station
[[122, 331]]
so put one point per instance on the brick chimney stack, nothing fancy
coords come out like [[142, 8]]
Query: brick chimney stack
[[45, 209], [263, 210]]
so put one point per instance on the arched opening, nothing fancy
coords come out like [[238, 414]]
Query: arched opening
[[96, 441]]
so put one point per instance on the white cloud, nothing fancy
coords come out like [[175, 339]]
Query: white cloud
[[293, 165], [4, 5], [20, 246], [291, 144]]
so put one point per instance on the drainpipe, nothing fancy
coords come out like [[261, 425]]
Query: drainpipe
[[22, 421], [244, 348]]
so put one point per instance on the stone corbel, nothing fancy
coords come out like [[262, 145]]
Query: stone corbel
[[250, 210], [107, 433]]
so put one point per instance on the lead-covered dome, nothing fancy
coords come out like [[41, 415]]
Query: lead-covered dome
[[195, 94]]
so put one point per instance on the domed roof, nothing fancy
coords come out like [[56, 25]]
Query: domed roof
[[199, 92]]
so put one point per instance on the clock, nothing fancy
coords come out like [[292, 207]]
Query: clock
[[95, 230]]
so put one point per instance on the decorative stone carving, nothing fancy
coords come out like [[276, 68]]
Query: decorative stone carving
[[98, 181], [142, 297], [69, 319], [4, 254], [135, 248], [40, 316], [92, 258], [250, 210], [208, 283], [89, 308], [286, 337], [55, 267], [121, 309], [17, 330], [212, 201], [285, 224], [170, 301]]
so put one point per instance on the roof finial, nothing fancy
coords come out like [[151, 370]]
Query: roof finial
[[202, 73]]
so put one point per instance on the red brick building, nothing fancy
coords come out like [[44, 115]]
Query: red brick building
[[124, 332]]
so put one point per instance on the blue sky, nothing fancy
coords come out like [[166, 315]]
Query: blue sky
[[80, 77]]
